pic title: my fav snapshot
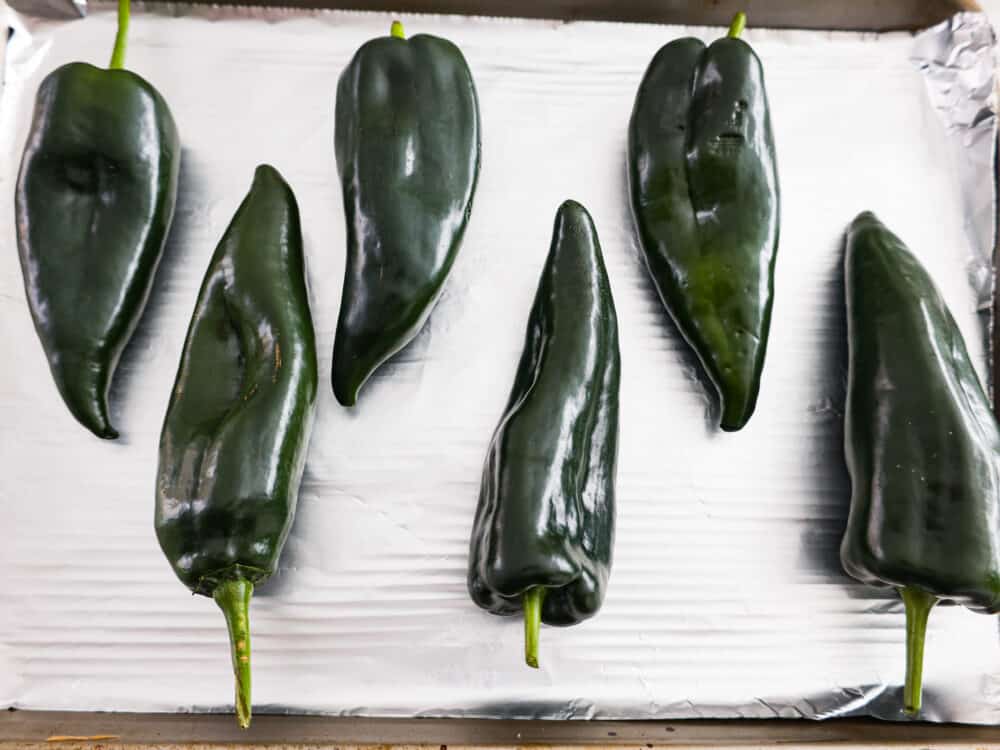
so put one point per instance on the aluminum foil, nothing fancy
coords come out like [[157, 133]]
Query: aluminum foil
[[958, 63], [727, 598]]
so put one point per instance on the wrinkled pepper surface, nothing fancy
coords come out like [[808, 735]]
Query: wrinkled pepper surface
[[94, 201], [407, 147], [704, 194], [544, 528], [234, 440], [921, 442]]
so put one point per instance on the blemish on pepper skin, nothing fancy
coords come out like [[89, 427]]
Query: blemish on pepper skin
[[244, 658], [241, 645]]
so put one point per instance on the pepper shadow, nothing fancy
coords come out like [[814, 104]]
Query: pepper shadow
[[690, 363], [128, 391], [406, 365], [820, 550], [312, 527]]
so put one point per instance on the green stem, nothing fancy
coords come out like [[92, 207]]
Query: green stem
[[118, 54], [532, 603], [736, 27], [233, 598], [396, 30], [918, 606]]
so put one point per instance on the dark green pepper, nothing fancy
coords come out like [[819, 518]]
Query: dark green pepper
[[94, 201], [407, 145], [234, 440], [544, 528], [704, 194], [921, 441]]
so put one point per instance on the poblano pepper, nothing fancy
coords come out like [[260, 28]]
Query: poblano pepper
[[407, 146], [544, 527], [922, 445], [94, 201], [234, 440], [704, 195]]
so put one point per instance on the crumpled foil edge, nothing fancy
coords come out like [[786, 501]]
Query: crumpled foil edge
[[958, 61]]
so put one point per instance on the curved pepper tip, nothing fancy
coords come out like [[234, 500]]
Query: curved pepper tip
[[90, 412], [100, 424], [107, 432], [735, 426], [346, 394], [734, 423], [346, 400], [348, 374], [736, 412]]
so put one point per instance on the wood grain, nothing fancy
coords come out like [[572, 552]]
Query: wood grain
[[29, 730]]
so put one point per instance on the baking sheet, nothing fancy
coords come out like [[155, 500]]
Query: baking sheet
[[726, 598]]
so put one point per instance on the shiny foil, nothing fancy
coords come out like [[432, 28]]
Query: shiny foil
[[726, 599]]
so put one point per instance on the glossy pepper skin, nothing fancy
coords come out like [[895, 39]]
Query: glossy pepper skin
[[704, 192], [544, 528], [235, 436], [407, 147], [94, 201], [921, 442]]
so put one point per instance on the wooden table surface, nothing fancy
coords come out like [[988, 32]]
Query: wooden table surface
[[29, 730]]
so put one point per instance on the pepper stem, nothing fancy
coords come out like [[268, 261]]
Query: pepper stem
[[738, 24], [396, 30], [233, 598], [918, 606], [118, 53], [532, 603]]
